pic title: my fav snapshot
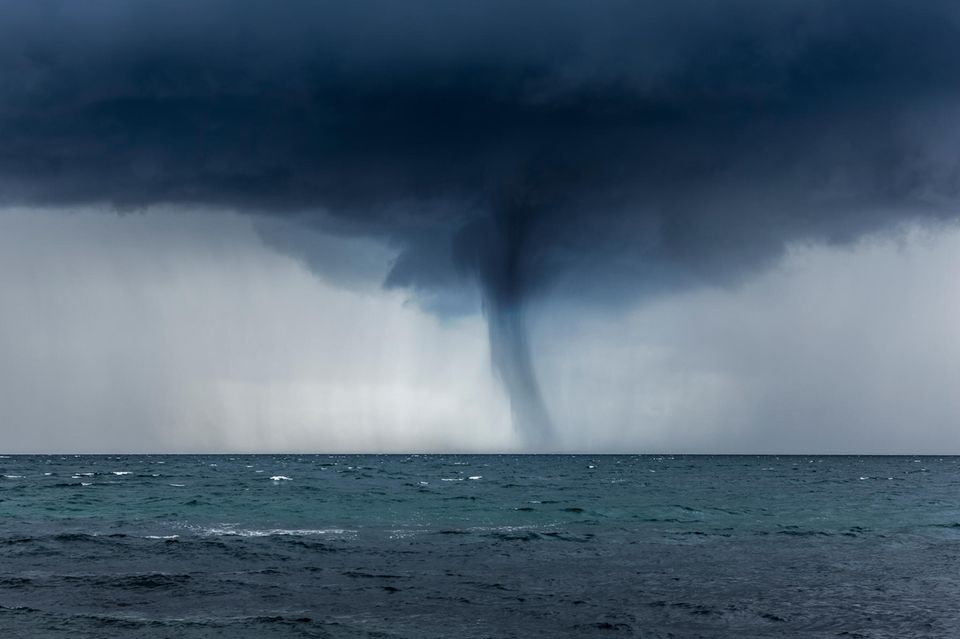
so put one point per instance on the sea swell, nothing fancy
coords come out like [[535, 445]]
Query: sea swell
[[545, 546]]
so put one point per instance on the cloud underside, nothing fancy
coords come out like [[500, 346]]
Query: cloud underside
[[513, 142]]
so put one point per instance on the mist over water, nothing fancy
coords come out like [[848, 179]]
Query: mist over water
[[184, 332]]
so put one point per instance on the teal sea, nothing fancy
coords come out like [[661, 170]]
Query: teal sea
[[427, 546]]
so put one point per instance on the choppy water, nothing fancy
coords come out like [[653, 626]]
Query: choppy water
[[479, 546]]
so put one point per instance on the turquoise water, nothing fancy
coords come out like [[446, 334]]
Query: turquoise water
[[479, 546]]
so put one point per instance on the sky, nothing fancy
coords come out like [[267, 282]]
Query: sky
[[480, 226]]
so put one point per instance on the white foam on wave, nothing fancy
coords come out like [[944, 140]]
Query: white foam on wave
[[475, 477], [277, 532], [122, 472], [451, 479], [280, 478], [161, 536], [403, 533], [177, 485], [86, 483], [545, 527], [14, 476]]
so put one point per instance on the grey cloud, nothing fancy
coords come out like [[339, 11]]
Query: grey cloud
[[634, 146]]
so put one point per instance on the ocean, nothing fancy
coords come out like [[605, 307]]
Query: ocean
[[424, 546]]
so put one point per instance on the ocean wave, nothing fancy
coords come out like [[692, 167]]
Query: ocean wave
[[517, 533], [136, 581], [403, 533], [63, 538], [230, 531]]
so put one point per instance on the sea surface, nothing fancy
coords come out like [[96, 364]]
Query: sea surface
[[479, 546]]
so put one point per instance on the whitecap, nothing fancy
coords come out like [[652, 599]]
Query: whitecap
[[475, 477], [86, 483], [280, 478], [451, 479], [177, 485], [280, 532], [14, 476], [122, 472], [511, 529], [161, 536], [402, 534]]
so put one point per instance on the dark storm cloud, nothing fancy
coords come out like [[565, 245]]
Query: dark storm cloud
[[624, 146]]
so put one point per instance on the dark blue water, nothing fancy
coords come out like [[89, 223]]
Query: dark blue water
[[479, 546]]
